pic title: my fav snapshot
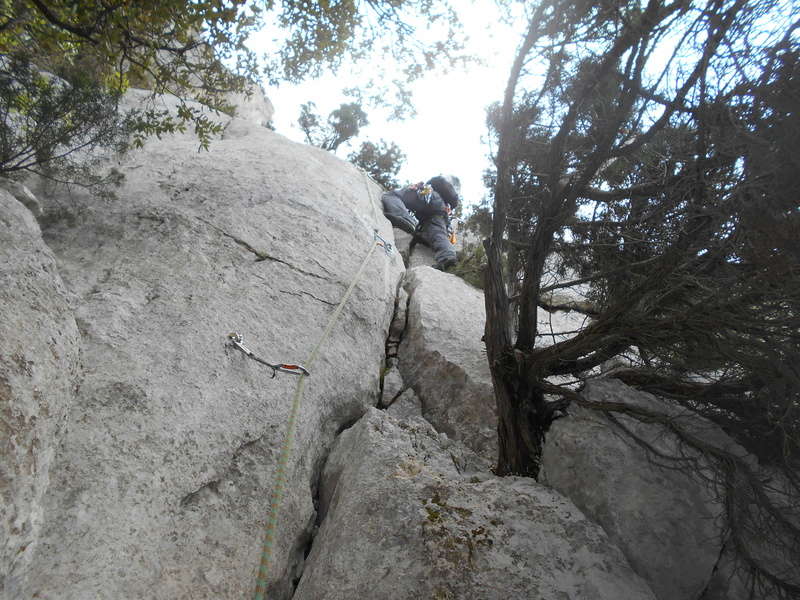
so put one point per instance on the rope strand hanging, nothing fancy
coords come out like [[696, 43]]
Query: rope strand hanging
[[276, 496]]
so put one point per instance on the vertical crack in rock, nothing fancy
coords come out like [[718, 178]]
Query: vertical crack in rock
[[397, 330], [306, 541], [723, 548]]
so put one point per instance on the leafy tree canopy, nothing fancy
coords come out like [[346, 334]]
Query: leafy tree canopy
[[343, 124], [195, 50], [382, 160]]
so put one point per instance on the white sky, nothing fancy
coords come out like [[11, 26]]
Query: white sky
[[448, 134]]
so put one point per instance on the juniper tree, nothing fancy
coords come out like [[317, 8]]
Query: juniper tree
[[647, 146]]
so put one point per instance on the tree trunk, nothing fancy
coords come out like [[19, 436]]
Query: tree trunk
[[519, 423]]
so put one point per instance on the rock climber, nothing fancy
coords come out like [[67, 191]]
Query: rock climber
[[423, 210]]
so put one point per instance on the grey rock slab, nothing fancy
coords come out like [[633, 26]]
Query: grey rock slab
[[39, 376], [443, 359], [406, 518], [405, 406], [402, 241], [420, 255], [573, 297], [162, 482], [23, 194], [392, 386], [664, 519], [253, 106]]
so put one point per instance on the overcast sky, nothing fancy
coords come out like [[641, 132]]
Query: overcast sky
[[449, 134]]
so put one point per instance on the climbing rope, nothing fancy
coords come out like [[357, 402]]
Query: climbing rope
[[288, 441], [367, 179]]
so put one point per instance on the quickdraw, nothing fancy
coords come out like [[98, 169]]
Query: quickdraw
[[238, 341], [387, 246], [271, 526]]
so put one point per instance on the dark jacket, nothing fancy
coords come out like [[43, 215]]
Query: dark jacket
[[424, 205]]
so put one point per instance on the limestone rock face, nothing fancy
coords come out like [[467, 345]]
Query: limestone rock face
[[663, 519], [160, 486], [443, 360], [406, 405], [39, 376], [407, 517], [23, 194], [254, 106]]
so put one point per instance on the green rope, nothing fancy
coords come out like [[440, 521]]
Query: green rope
[[367, 179], [288, 442]]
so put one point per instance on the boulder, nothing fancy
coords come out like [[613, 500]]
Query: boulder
[[392, 386], [23, 194], [39, 377], [161, 484], [405, 406], [574, 297], [253, 106], [665, 518], [443, 359], [421, 255], [406, 515]]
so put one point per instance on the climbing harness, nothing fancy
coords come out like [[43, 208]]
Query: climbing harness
[[237, 340], [452, 228], [424, 191], [288, 440]]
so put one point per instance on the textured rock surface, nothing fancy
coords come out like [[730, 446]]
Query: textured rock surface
[[23, 194], [161, 485], [39, 366], [443, 360], [414, 255], [392, 386], [406, 517], [406, 405], [254, 107], [665, 520], [421, 256]]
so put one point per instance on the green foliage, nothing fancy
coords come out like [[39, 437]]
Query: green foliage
[[342, 125], [470, 263], [382, 161], [194, 50], [419, 34], [169, 47], [45, 120]]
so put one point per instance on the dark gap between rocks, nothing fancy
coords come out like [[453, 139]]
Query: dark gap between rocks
[[393, 341], [306, 542]]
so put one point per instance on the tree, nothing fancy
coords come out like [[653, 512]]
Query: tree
[[194, 50], [382, 161], [649, 157], [169, 47], [344, 123]]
